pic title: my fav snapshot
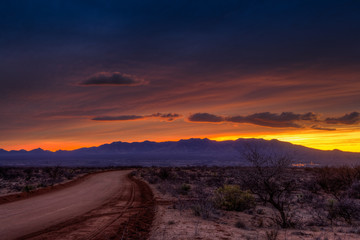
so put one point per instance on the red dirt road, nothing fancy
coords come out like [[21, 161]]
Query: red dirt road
[[108, 205]]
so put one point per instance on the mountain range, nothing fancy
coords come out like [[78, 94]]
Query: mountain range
[[192, 151]]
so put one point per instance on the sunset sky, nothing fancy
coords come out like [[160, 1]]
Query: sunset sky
[[83, 73]]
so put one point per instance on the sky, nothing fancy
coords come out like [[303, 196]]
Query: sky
[[82, 73]]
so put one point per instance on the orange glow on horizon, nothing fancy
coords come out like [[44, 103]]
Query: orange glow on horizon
[[341, 140], [51, 146], [344, 141]]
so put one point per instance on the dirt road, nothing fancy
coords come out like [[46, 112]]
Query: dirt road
[[103, 206]]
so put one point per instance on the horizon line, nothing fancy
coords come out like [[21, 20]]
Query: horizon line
[[205, 138]]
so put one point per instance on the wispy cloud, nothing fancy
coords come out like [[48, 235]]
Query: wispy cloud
[[167, 117], [112, 78], [118, 118], [316, 127]]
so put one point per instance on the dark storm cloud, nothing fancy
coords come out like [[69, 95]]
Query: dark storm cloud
[[348, 119], [205, 117], [116, 79], [164, 116], [266, 119]]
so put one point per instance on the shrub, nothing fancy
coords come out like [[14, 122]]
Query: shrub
[[312, 186], [164, 174], [232, 198], [354, 191], [203, 208], [240, 224], [3, 172], [29, 173], [272, 235], [28, 188], [152, 179], [332, 210], [346, 209], [335, 180], [203, 204], [184, 189]]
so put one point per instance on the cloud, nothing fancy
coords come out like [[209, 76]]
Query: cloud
[[283, 120], [348, 119], [316, 127], [267, 119], [167, 116], [310, 116], [118, 118], [112, 79], [205, 117]]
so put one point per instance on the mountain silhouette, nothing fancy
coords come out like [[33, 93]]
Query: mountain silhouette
[[192, 151]]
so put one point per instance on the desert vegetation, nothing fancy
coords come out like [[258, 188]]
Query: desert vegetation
[[270, 195], [27, 179]]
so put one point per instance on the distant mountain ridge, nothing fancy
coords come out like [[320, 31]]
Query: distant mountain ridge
[[192, 151]]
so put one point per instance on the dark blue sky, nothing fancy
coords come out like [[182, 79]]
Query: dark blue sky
[[257, 34]]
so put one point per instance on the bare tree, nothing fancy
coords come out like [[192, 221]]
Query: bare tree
[[268, 179]]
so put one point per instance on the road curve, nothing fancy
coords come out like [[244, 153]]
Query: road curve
[[87, 210]]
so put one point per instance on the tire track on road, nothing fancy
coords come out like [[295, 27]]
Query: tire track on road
[[126, 215]]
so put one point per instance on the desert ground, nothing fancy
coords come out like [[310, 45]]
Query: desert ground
[[221, 203], [160, 203]]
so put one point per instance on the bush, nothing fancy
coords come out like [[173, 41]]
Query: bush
[[335, 180], [152, 179], [184, 189], [240, 224], [203, 204], [346, 209], [272, 235], [28, 188], [203, 208], [165, 174], [232, 198], [354, 191]]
